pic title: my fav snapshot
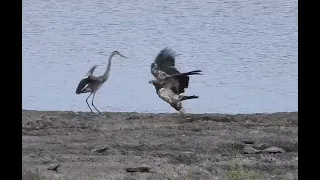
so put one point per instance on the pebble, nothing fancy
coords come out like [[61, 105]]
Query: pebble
[[138, 169], [261, 146], [53, 167], [273, 150], [99, 150], [248, 141]]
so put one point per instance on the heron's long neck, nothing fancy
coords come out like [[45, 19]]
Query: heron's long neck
[[106, 74]]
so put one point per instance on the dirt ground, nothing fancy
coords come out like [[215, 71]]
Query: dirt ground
[[69, 145]]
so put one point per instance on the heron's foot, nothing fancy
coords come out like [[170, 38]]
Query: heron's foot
[[96, 109], [98, 112]]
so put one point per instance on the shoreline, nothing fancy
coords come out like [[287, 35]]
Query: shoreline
[[134, 112], [84, 145]]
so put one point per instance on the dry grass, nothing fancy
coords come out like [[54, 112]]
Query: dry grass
[[237, 172], [28, 175]]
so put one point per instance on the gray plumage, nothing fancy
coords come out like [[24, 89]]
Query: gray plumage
[[170, 83], [92, 84]]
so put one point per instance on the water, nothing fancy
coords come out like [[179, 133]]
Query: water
[[248, 51]]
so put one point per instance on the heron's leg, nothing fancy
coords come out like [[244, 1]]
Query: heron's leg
[[93, 104], [88, 103]]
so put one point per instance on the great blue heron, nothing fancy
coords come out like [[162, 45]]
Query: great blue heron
[[170, 83], [92, 84]]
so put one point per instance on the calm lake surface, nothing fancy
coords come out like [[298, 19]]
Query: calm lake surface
[[247, 49]]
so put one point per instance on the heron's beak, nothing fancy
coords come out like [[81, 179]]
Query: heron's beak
[[122, 56], [150, 82]]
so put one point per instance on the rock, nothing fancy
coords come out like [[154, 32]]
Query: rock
[[273, 150], [53, 167], [99, 150], [138, 169], [247, 141], [261, 146], [32, 156], [250, 150]]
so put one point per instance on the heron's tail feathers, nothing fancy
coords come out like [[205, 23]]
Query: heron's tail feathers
[[182, 98]]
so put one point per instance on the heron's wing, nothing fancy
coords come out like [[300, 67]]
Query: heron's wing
[[90, 72], [165, 61], [92, 77], [86, 82], [83, 84]]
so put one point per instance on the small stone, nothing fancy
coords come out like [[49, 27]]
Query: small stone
[[53, 167], [32, 156], [248, 141], [273, 150], [261, 146], [250, 150], [99, 150], [138, 169]]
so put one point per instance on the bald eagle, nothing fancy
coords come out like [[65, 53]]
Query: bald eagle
[[170, 83]]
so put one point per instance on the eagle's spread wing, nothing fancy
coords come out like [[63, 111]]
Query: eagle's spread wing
[[177, 83], [165, 61], [158, 74], [164, 64], [164, 70]]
